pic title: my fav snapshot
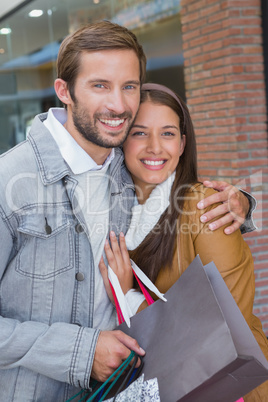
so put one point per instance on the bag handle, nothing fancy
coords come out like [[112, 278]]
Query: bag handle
[[122, 308], [99, 393]]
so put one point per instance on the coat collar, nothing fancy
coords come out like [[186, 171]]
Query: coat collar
[[51, 165]]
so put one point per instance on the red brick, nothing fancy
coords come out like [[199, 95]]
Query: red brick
[[258, 100], [253, 49], [257, 162], [255, 85], [190, 35], [196, 5], [246, 59], [257, 119], [242, 3], [207, 172], [200, 59], [214, 164], [217, 113], [210, 10], [209, 28], [247, 78], [226, 172], [214, 81], [251, 12], [190, 17], [192, 52], [250, 21], [218, 16], [199, 23], [254, 68], [252, 30]]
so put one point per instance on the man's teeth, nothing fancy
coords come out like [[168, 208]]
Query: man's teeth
[[153, 163], [112, 123]]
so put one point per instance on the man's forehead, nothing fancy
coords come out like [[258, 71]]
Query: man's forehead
[[123, 63]]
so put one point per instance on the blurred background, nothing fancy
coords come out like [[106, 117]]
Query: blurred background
[[30, 36]]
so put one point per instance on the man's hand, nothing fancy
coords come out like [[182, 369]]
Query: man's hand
[[235, 206], [113, 347]]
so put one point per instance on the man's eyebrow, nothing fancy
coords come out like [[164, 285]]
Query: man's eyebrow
[[135, 82], [101, 80], [98, 80]]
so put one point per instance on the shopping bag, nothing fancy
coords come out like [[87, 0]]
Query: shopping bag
[[198, 345], [139, 391]]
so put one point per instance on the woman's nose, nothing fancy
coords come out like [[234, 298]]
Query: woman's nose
[[154, 145]]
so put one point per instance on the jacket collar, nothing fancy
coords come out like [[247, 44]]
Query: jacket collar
[[52, 166]]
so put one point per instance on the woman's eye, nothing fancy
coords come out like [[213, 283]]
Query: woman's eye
[[168, 133], [138, 133]]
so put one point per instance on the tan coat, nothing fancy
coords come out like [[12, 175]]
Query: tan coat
[[232, 257]]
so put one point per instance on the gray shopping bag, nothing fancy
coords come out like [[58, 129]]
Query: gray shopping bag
[[198, 345]]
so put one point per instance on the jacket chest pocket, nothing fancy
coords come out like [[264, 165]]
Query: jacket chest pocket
[[46, 248]]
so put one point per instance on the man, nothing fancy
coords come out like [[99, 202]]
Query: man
[[62, 190]]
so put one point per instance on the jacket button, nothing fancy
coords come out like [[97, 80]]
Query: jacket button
[[80, 276], [79, 228]]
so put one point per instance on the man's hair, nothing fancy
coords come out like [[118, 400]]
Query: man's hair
[[102, 35]]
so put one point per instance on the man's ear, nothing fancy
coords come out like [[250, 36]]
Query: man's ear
[[62, 91]]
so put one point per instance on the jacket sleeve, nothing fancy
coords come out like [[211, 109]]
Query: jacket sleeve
[[232, 256], [233, 259], [62, 351], [248, 225]]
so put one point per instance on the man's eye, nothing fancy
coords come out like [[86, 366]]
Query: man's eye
[[129, 87], [99, 86]]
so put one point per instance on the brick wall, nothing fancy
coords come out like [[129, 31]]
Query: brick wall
[[225, 90]]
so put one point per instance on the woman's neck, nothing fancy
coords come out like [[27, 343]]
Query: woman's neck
[[143, 191]]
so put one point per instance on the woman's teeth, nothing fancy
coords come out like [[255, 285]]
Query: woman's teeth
[[153, 163]]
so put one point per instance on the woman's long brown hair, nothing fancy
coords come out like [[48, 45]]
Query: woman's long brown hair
[[157, 249]]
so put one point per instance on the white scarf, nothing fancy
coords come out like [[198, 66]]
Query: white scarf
[[145, 216]]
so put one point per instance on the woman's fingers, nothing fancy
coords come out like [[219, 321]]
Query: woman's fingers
[[124, 251], [110, 256], [104, 273], [118, 259], [115, 247]]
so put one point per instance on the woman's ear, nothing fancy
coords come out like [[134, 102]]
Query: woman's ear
[[62, 91], [183, 143]]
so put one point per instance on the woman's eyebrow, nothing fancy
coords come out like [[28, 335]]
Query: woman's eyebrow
[[139, 126], [177, 128]]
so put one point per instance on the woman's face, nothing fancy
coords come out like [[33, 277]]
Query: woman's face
[[153, 146]]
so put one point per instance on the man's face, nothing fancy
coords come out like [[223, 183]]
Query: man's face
[[107, 95]]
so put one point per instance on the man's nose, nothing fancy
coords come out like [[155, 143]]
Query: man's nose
[[116, 101]]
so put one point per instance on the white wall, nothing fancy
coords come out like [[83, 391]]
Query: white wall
[[8, 5]]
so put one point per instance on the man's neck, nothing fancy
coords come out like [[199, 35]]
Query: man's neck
[[97, 153]]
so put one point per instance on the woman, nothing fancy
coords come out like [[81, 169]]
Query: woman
[[166, 233]]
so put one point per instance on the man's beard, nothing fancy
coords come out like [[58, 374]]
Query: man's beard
[[87, 127]]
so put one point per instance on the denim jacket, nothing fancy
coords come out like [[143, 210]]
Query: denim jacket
[[47, 342]]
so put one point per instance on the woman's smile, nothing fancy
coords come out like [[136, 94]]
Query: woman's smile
[[154, 164]]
